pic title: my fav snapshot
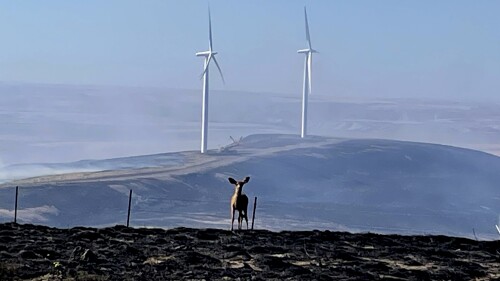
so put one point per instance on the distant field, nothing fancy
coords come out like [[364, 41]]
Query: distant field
[[60, 123]]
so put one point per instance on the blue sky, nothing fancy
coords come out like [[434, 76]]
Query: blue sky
[[388, 48]]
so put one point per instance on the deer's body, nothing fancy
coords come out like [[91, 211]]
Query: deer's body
[[239, 202]]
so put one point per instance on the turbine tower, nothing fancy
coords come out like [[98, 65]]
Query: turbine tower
[[209, 56], [307, 77]]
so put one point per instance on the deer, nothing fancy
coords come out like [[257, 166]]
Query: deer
[[239, 202]]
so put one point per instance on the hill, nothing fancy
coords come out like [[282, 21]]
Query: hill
[[325, 183]]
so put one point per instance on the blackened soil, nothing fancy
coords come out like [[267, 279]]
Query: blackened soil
[[29, 252]]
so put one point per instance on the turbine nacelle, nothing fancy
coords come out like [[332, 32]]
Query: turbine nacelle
[[205, 54], [306, 51]]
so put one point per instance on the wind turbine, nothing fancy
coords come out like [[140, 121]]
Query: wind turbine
[[307, 77], [209, 56]]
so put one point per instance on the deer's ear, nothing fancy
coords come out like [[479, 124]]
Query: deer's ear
[[246, 179], [232, 181]]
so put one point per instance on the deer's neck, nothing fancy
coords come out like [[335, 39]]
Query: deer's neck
[[237, 191]]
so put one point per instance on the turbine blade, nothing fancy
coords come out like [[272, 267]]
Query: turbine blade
[[206, 66], [309, 68], [220, 71], [209, 30], [308, 36]]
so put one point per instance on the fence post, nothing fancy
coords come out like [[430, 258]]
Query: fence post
[[15, 205], [254, 207], [129, 204]]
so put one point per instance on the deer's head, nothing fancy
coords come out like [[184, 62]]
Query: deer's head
[[238, 185]]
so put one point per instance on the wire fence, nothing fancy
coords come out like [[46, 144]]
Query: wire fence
[[164, 211], [140, 208]]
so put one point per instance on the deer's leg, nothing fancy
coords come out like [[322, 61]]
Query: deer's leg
[[232, 217], [239, 220], [246, 218]]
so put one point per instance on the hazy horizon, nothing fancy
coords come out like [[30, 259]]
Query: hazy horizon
[[45, 123]]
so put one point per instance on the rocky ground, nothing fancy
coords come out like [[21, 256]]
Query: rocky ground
[[29, 252]]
